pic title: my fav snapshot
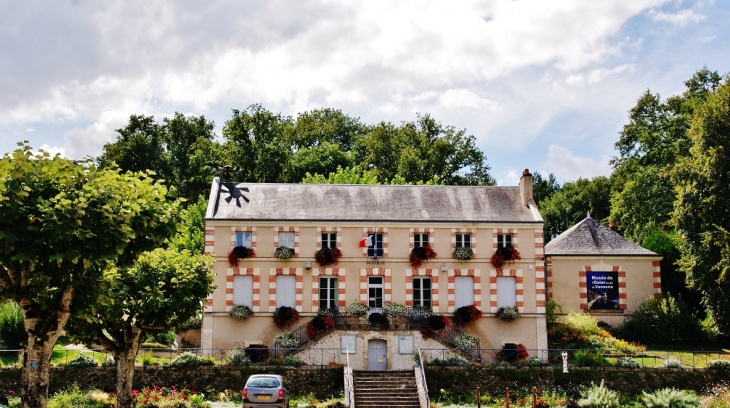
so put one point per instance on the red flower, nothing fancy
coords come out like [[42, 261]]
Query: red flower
[[420, 254]]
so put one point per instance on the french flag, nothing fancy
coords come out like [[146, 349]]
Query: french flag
[[366, 242]]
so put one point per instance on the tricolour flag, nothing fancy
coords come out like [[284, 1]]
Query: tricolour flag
[[366, 242]]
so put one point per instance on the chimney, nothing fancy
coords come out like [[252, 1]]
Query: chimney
[[526, 187]]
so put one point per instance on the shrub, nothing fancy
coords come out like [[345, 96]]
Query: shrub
[[188, 359], [192, 324], [82, 360], [463, 253], [109, 361], [508, 313], [395, 310], [672, 363], [378, 320], [292, 361], [153, 345], [583, 322], [284, 252], [240, 312], [166, 338], [589, 358], [534, 361], [357, 309], [467, 314], [450, 361], [420, 254], [661, 321], [161, 397], [74, 397], [284, 316], [286, 340], [719, 365], [670, 397], [598, 396], [12, 331], [627, 362], [236, 357], [552, 309]]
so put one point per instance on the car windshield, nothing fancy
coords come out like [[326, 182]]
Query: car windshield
[[263, 383]]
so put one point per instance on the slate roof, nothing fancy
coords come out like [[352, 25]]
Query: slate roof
[[590, 238], [304, 202]]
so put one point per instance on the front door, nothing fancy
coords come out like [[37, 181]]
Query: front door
[[377, 355]]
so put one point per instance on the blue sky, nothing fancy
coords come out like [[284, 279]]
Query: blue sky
[[544, 85]]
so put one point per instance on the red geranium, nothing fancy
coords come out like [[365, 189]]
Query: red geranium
[[420, 254]]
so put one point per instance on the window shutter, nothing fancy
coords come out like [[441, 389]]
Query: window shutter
[[463, 291], [506, 291], [243, 290], [286, 291]]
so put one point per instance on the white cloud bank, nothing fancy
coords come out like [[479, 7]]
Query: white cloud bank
[[566, 165]]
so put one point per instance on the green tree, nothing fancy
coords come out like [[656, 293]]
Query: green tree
[[138, 147], [61, 225], [649, 147], [544, 188], [191, 234], [324, 158], [702, 210], [315, 127], [574, 201], [343, 176], [163, 289]]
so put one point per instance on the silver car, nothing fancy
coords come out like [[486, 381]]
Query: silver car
[[265, 390]]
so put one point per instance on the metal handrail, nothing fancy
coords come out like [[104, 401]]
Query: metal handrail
[[423, 378], [449, 334], [348, 383]]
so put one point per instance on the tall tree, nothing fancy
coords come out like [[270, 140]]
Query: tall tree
[[574, 201], [61, 225], [139, 147], [163, 289], [544, 188], [649, 146], [702, 210]]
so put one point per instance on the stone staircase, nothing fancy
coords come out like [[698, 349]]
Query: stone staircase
[[385, 389]]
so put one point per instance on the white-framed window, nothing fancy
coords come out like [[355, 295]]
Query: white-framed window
[[463, 240], [420, 240], [243, 239], [375, 293], [327, 292], [243, 290], [504, 240], [286, 291], [405, 344], [463, 291], [506, 291], [422, 292], [329, 240], [375, 247], [286, 239]]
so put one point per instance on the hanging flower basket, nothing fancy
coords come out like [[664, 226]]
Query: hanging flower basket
[[239, 252], [467, 314], [240, 312], [463, 253], [327, 256], [379, 320], [283, 252], [508, 255], [322, 323], [436, 323], [284, 316], [508, 313], [357, 309], [420, 254]]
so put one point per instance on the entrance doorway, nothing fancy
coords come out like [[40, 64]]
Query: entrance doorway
[[377, 355]]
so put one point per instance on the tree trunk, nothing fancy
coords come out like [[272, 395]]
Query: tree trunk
[[36, 367], [125, 369]]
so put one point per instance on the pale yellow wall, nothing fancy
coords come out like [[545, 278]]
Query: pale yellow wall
[[226, 332], [641, 281]]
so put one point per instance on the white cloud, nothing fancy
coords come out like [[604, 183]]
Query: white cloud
[[566, 165], [463, 98], [53, 150], [681, 18], [90, 141]]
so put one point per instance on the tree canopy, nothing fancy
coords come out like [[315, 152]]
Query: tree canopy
[[61, 225]]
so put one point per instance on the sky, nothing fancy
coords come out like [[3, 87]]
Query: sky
[[544, 85]]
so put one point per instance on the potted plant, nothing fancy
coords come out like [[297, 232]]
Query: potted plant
[[284, 252], [357, 309], [435, 323], [322, 323], [420, 254], [466, 341], [239, 252], [508, 255], [467, 314], [419, 314], [379, 320], [463, 253], [508, 313], [284, 316], [395, 310], [286, 340], [327, 256], [240, 312]]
